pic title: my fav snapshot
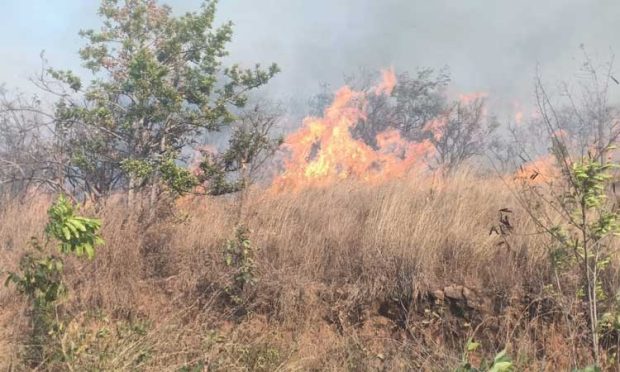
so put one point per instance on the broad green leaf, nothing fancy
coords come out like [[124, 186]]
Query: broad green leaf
[[505, 366]]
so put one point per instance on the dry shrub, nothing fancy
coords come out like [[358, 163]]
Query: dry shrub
[[352, 276]]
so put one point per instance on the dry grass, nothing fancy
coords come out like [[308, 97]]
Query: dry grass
[[349, 277]]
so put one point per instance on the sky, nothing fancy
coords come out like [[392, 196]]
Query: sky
[[492, 46]]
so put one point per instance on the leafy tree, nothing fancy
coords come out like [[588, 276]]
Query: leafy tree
[[419, 99], [158, 83]]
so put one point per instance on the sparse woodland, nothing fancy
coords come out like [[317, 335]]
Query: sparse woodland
[[396, 228]]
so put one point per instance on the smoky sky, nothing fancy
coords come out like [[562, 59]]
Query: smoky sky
[[493, 46]]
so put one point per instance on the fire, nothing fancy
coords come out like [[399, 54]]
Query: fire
[[198, 156], [436, 127], [387, 84], [518, 117], [538, 171], [471, 97], [323, 151]]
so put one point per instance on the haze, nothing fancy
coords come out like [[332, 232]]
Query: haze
[[491, 46]]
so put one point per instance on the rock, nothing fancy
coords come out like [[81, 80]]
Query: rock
[[472, 299], [464, 295], [454, 292]]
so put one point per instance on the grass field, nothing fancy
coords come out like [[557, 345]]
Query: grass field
[[393, 276]]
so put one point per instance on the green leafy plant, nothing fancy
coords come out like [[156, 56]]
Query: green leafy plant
[[571, 205], [583, 229], [40, 278], [500, 363], [75, 234], [583, 238], [239, 256]]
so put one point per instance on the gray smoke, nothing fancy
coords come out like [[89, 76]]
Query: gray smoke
[[488, 45]]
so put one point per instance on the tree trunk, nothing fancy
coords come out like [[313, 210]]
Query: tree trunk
[[602, 148], [156, 180]]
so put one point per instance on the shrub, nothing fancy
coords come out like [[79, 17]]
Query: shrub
[[40, 278]]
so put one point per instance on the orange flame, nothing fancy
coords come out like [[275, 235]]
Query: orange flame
[[198, 155], [387, 84], [436, 127], [471, 97], [323, 151], [518, 117], [538, 171]]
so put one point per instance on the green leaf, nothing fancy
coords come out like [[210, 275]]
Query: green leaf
[[66, 233], [90, 251], [501, 363], [472, 346], [501, 367], [77, 224]]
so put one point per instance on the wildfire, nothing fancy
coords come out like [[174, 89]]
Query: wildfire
[[471, 97], [387, 84], [538, 171], [518, 117], [436, 127], [323, 150]]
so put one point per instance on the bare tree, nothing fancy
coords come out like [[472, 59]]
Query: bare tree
[[462, 132], [27, 148], [589, 117]]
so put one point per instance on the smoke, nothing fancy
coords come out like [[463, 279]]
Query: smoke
[[491, 46]]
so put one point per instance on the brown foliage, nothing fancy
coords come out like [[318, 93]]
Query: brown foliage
[[389, 277]]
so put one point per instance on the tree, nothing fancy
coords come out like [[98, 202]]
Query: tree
[[419, 108], [580, 114], [460, 133], [158, 83], [415, 101], [575, 209], [250, 145], [419, 99], [26, 156]]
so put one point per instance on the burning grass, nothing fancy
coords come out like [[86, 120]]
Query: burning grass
[[352, 276]]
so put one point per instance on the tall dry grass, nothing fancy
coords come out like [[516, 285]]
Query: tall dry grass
[[352, 276]]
